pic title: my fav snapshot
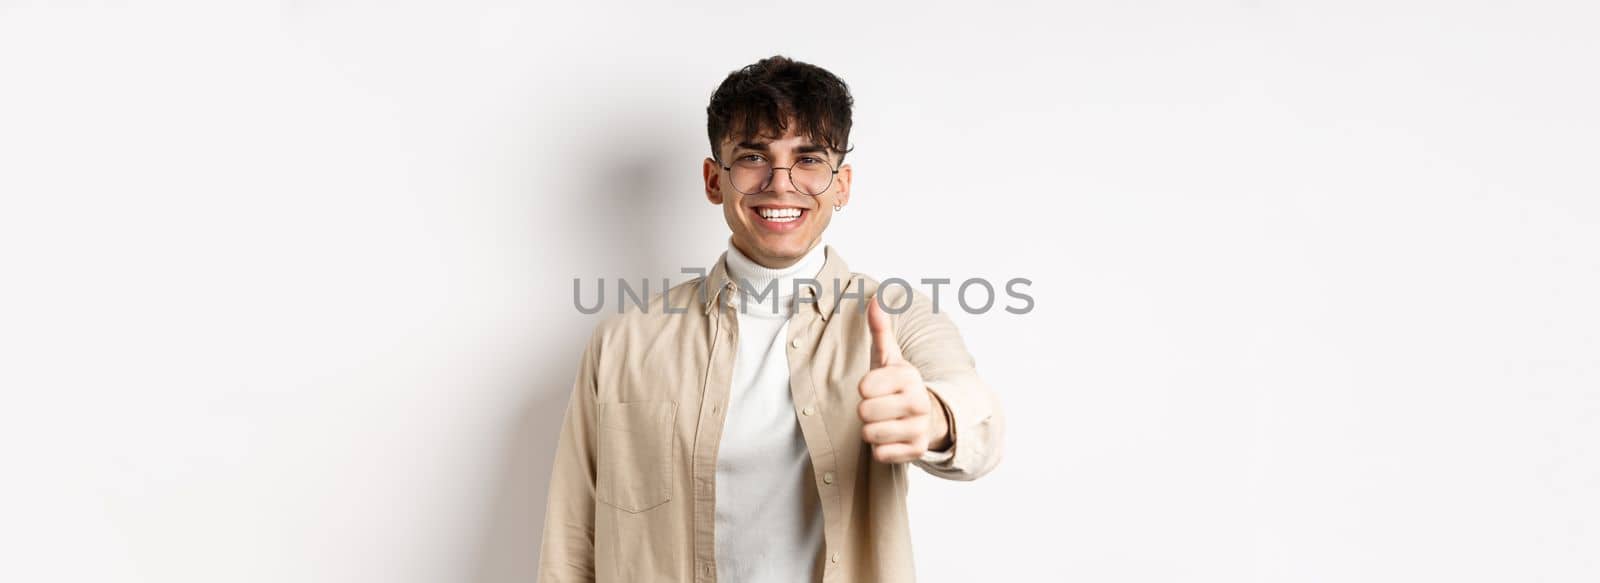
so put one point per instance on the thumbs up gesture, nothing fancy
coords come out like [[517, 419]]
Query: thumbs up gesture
[[900, 417]]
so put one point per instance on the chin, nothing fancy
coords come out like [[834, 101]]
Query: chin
[[783, 248], [795, 246]]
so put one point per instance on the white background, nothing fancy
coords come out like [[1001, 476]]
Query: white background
[[287, 285]]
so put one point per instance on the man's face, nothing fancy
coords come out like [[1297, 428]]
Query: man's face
[[775, 241]]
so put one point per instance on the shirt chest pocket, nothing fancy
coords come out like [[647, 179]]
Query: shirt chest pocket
[[634, 454]]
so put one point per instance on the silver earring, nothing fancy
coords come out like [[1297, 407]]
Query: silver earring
[[837, 207]]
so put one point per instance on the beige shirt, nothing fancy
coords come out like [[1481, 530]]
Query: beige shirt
[[632, 494]]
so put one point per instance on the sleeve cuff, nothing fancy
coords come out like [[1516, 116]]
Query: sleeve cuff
[[939, 457]]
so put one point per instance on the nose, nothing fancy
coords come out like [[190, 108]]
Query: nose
[[782, 173]]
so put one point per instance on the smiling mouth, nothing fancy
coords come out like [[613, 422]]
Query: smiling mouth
[[779, 215]]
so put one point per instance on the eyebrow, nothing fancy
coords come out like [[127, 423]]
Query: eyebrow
[[806, 148]]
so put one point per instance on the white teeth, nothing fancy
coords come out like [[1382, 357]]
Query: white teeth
[[779, 215]]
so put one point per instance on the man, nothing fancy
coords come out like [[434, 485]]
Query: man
[[755, 425]]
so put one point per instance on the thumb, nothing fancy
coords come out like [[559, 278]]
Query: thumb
[[885, 347]]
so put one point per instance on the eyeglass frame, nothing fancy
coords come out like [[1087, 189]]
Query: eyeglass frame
[[772, 171]]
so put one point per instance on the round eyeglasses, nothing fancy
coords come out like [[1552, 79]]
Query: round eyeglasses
[[752, 174]]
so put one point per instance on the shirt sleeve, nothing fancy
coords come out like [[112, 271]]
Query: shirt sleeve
[[566, 553], [931, 343], [938, 457]]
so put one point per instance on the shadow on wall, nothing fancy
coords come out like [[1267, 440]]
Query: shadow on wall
[[615, 227]]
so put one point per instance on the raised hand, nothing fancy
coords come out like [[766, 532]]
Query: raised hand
[[900, 417]]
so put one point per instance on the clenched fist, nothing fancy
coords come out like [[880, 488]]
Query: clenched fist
[[900, 417]]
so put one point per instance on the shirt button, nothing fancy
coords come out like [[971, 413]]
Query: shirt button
[[827, 478], [808, 410], [834, 558], [795, 343]]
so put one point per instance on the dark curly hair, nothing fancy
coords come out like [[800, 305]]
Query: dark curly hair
[[762, 97]]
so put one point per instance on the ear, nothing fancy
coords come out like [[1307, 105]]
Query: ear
[[713, 177], [843, 198]]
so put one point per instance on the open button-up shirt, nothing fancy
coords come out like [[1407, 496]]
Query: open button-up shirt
[[633, 490]]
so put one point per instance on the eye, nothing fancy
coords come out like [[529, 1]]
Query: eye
[[811, 160], [752, 158]]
